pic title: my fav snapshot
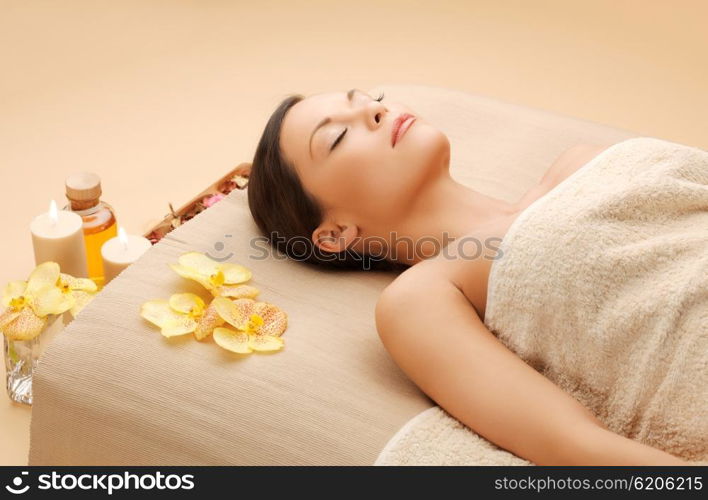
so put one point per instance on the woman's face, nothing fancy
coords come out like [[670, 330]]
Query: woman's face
[[362, 179]]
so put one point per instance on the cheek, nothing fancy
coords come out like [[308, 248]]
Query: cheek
[[348, 184], [385, 183], [398, 182]]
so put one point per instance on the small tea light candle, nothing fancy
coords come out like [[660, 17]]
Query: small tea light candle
[[120, 252], [58, 236]]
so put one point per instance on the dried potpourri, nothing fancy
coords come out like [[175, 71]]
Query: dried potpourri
[[238, 181]]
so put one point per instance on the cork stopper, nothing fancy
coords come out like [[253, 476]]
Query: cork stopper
[[83, 186]]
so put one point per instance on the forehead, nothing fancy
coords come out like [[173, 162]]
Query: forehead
[[302, 118]]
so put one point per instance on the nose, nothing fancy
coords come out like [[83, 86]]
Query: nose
[[375, 113]]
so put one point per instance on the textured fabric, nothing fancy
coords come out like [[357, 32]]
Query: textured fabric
[[434, 437], [602, 286], [111, 390]]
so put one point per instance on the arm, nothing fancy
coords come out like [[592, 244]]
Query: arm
[[438, 340]]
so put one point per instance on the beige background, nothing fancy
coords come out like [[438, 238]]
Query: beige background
[[162, 97]]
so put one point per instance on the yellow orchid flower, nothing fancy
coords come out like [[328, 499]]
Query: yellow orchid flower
[[220, 278], [183, 313], [27, 304], [259, 325], [81, 289]]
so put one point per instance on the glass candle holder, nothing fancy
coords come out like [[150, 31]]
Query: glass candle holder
[[21, 358]]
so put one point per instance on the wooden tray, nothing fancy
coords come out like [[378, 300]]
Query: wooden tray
[[236, 178]]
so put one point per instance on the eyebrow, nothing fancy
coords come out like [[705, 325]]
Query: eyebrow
[[326, 120]]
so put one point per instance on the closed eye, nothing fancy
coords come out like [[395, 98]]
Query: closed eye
[[341, 136], [338, 139]]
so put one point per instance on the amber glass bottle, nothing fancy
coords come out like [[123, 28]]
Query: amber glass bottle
[[83, 190]]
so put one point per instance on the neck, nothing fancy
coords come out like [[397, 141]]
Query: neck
[[442, 212]]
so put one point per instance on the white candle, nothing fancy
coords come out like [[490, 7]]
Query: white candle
[[120, 252], [58, 236]]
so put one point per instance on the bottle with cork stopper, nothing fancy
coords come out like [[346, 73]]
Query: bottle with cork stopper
[[83, 190]]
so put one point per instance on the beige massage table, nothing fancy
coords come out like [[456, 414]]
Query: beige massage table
[[110, 390]]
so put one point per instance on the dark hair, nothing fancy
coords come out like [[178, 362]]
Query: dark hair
[[286, 213]]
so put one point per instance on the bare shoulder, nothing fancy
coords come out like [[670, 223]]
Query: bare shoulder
[[420, 295], [412, 285], [430, 284]]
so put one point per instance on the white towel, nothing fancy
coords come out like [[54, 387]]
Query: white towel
[[602, 286]]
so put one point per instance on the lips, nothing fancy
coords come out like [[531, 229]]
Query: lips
[[400, 125]]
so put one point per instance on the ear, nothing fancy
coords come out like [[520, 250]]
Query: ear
[[332, 237]]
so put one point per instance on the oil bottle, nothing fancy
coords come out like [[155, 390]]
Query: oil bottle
[[83, 190]]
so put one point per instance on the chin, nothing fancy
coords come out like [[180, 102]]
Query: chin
[[423, 157], [432, 149]]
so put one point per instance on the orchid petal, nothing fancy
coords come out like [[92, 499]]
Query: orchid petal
[[199, 263], [232, 340], [13, 290], [191, 274], [47, 273], [235, 273], [181, 326], [208, 322], [50, 300], [187, 303], [159, 312], [26, 326], [82, 284], [7, 316], [265, 343], [236, 312], [238, 291], [275, 321]]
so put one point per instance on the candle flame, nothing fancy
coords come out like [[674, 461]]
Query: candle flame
[[53, 213], [123, 237]]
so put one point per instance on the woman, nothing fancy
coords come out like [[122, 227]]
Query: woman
[[345, 180]]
